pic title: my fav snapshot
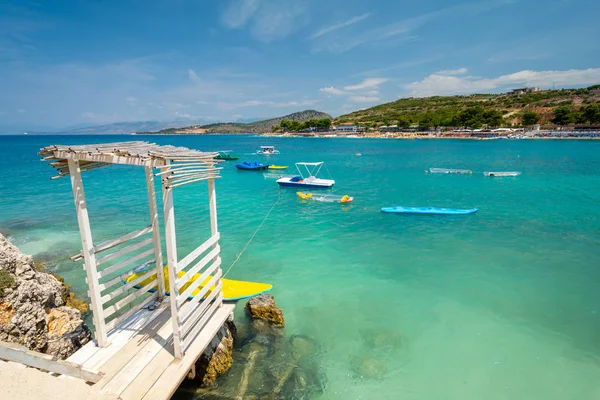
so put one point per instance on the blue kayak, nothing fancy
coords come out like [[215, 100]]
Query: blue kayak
[[252, 166], [428, 210]]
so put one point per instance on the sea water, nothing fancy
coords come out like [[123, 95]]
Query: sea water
[[502, 304]]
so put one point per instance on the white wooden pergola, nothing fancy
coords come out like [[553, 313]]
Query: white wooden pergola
[[112, 298]]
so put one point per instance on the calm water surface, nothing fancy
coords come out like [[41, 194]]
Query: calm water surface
[[503, 304]]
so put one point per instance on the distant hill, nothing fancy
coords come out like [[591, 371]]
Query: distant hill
[[505, 109], [264, 126], [129, 127]]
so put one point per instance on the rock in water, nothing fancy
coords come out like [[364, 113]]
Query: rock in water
[[263, 307], [217, 358], [32, 309]]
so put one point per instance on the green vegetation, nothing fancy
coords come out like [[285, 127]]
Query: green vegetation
[[566, 115], [6, 281], [322, 124], [255, 127], [530, 118], [482, 110]]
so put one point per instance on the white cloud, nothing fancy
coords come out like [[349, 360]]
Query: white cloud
[[268, 20], [193, 76], [377, 34], [364, 99], [266, 103], [332, 90], [131, 99], [340, 25], [437, 84], [452, 72], [239, 12], [367, 84]]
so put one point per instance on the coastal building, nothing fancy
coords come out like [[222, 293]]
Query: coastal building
[[346, 128], [524, 90]]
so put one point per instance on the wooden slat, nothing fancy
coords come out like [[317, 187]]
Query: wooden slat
[[192, 181], [196, 328], [126, 286], [116, 321], [113, 268], [195, 312], [205, 275], [192, 305], [123, 251], [197, 252], [196, 268], [109, 244], [111, 310], [46, 362], [172, 376]]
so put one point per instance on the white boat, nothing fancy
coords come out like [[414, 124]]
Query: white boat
[[267, 150], [503, 173], [308, 176], [449, 171]]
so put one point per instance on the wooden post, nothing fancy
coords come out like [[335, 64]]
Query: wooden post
[[169, 215], [155, 233], [87, 247], [214, 229]]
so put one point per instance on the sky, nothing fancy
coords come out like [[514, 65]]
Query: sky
[[90, 62]]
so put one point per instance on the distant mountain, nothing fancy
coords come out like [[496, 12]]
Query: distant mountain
[[129, 127], [263, 126]]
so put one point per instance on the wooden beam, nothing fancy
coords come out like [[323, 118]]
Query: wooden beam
[[88, 252], [23, 355], [155, 232], [169, 216], [185, 261]]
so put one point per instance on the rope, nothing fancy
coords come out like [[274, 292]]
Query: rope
[[253, 235]]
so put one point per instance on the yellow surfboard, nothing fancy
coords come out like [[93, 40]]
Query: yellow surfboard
[[232, 289], [278, 166]]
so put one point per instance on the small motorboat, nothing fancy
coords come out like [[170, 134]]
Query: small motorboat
[[327, 198], [428, 210], [278, 166], [267, 151], [449, 171], [225, 155], [308, 177], [275, 175], [503, 173], [252, 166]]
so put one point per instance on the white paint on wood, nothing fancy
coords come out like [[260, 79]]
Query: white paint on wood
[[205, 303], [210, 271], [113, 268], [152, 298], [88, 252], [169, 215], [196, 268], [155, 232], [46, 362], [197, 252], [123, 251], [125, 286], [119, 305]]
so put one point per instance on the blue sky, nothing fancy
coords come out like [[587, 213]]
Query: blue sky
[[92, 61]]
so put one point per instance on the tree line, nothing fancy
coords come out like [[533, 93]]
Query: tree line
[[322, 124], [565, 115]]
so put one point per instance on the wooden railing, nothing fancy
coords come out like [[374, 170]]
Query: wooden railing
[[20, 354]]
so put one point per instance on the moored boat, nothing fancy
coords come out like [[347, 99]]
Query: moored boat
[[428, 210], [267, 151], [308, 176], [502, 173], [225, 155], [449, 171], [251, 166]]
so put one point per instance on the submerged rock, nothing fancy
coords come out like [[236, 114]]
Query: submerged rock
[[368, 367], [33, 311], [385, 340], [264, 307]]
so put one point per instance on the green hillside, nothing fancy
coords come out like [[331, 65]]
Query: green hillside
[[252, 127], [571, 105]]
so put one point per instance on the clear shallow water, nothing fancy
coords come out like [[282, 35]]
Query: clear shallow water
[[503, 304]]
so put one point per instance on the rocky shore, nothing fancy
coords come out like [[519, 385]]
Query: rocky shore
[[37, 308]]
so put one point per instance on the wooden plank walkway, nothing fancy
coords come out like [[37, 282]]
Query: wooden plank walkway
[[139, 363]]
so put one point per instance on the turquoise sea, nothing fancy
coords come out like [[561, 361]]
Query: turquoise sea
[[502, 304]]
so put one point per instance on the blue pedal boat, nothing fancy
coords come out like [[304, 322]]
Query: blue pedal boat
[[251, 166], [428, 210]]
